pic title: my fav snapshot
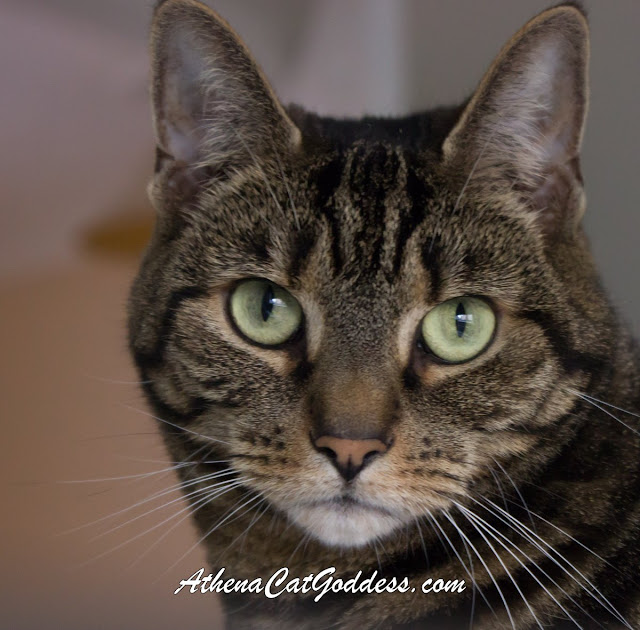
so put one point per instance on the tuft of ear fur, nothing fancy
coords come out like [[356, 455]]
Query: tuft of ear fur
[[521, 131], [212, 106]]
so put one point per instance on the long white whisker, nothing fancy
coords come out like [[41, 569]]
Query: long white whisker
[[172, 424], [497, 535], [195, 507], [144, 533], [532, 536], [597, 406], [424, 546], [152, 497], [209, 532], [111, 381], [162, 507], [499, 486], [123, 477], [504, 566], [471, 572], [515, 487], [606, 404], [484, 564], [540, 549]]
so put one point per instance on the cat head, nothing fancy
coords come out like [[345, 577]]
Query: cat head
[[365, 319]]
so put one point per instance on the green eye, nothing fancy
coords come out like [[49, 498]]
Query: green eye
[[265, 312], [459, 329]]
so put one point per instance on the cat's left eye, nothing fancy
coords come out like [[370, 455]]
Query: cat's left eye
[[460, 329], [264, 312]]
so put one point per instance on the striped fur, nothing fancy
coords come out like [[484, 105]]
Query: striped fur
[[370, 224]]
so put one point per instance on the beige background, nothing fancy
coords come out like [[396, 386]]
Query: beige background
[[76, 152]]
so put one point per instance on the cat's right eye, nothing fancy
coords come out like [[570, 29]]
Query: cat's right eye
[[264, 312]]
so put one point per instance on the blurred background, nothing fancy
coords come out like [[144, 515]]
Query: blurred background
[[76, 154]]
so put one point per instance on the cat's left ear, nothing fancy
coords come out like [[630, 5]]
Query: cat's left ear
[[521, 131], [212, 105]]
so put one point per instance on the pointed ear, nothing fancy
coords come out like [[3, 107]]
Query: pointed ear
[[521, 131], [212, 106]]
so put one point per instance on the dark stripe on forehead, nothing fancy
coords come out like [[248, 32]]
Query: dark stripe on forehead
[[360, 169], [326, 179], [418, 193], [379, 178], [373, 175], [373, 171]]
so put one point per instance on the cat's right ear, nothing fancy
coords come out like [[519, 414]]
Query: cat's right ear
[[213, 109]]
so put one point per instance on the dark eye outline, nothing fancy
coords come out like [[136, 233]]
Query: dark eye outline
[[294, 339], [426, 350]]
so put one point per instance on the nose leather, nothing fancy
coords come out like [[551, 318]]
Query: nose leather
[[349, 456]]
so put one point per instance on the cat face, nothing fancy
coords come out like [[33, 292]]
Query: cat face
[[363, 320]]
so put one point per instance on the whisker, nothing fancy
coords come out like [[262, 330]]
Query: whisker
[[469, 571], [496, 535], [602, 402], [172, 424], [119, 435], [200, 504], [423, 544], [254, 520], [562, 531], [210, 531], [286, 184], [144, 533], [504, 566], [532, 536], [111, 381], [515, 487], [152, 497], [123, 477], [484, 564], [541, 550], [303, 539], [437, 533], [161, 507], [591, 401]]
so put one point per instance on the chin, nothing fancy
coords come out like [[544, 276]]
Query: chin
[[345, 526]]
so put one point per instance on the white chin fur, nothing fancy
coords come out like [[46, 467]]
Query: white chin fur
[[351, 526]]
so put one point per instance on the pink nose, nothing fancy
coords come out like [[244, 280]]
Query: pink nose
[[349, 456]]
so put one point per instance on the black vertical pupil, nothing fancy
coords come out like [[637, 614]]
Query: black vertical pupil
[[461, 324], [267, 303]]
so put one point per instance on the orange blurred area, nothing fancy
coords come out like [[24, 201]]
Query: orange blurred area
[[72, 413]]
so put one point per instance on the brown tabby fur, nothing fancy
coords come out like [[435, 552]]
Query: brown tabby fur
[[370, 224]]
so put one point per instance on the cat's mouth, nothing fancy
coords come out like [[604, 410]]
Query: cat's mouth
[[345, 521], [348, 502]]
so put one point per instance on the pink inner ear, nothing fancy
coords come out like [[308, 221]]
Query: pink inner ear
[[181, 144], [181, 108], [525, 124]]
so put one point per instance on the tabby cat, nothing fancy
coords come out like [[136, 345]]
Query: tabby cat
[[382, 345]]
